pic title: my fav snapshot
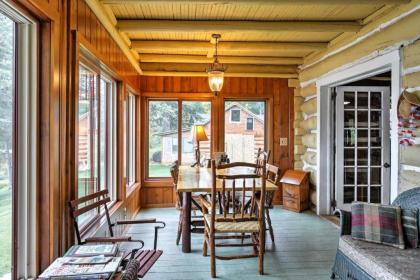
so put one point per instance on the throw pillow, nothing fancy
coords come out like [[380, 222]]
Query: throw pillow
[[377, 223], [410, 226]]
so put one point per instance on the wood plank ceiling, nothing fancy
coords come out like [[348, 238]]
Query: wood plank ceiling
[[265, 38]]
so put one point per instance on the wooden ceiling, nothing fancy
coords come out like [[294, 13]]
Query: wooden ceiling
[[264, 38]]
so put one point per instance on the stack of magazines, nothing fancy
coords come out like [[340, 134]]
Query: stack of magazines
[[99, 261]]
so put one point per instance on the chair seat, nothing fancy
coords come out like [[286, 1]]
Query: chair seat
[[234, 226]]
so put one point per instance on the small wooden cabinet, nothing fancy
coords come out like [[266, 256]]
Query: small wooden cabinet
[[295, 190]]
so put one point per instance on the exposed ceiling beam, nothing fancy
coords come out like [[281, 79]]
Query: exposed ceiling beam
[[103, 17], [204, 74], [213, 26], [222, 59], [262, 48], [260, 2], [232, 68]]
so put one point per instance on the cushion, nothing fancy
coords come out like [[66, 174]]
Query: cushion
[[377, 223], [410, 227], [382, 262], [235, 227]]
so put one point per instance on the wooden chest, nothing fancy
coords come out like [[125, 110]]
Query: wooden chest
[[295, 190]]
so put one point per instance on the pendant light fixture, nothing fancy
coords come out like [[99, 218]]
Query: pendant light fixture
[[216, 71]]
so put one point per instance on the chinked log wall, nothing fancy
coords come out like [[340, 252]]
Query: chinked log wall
[[279, 112], [59, 21]]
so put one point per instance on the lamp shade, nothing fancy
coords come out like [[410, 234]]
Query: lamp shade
[[216, 80], [198, 133]]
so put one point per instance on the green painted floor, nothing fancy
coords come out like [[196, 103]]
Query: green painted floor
[[304, 248]]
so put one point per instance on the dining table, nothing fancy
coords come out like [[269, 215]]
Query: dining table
[[199, 180]]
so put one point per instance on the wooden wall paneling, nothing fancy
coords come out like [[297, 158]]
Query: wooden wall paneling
[[279, 120]]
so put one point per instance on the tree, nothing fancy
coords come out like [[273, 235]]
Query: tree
[[6, 95]]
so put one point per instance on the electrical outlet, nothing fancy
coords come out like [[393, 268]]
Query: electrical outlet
[[283, 141]]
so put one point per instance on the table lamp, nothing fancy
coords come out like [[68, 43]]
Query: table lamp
[[198, 134]]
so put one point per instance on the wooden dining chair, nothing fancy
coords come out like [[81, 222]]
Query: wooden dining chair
[[197, 221], [273, 175], [263, 154], [233, 223]]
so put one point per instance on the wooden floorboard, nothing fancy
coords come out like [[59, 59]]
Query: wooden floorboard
[[304, 248]]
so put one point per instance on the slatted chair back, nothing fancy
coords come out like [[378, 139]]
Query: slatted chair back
[[273, 174], [230, 188], [263, 154], [88, 203], [174, 174]]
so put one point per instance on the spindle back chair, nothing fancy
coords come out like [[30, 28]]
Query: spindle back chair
[[237, 220]]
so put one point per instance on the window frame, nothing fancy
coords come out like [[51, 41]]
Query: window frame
[[130, 136], [147, 100], [92, 63], [25, 141]]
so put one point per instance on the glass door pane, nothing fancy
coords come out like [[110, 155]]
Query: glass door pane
[[241, 140], [7, 124], [195, 113], [163, 137], [362, 148]]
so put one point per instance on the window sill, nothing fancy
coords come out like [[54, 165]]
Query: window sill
[[132, 188], [158, 182]]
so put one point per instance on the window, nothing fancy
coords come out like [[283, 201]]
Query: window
[[96, 134], [7, 152], [163, 126], [130, 140], [164, 133], [249, 123], [19, 143], [242, 140], [235, 116], [195, 112]]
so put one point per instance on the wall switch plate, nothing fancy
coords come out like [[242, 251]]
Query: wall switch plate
[[283, 141]]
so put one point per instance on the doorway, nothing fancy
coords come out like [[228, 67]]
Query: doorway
[[362, 141]]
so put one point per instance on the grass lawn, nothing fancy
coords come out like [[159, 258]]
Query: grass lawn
[[159, 170], [5, 230]]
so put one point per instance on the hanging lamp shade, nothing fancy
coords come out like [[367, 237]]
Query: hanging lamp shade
[[216, 71], [216, 79]]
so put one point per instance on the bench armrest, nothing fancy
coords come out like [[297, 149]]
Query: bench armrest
[[107, 239], [139, 221], [345, 221]]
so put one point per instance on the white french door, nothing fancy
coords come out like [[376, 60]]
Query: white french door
[[362, 145]]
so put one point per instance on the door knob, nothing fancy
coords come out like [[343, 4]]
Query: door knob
[[387, 165]]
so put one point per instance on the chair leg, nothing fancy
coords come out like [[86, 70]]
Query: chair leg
[[205, 241], [178, 236], [270, 227], [261, 252], [212, 256]]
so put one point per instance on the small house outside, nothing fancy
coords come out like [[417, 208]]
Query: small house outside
[[243, 129]]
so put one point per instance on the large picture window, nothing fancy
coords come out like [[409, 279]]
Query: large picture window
[[19, 142], [245, 130], [165, 133], [96, 119]]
